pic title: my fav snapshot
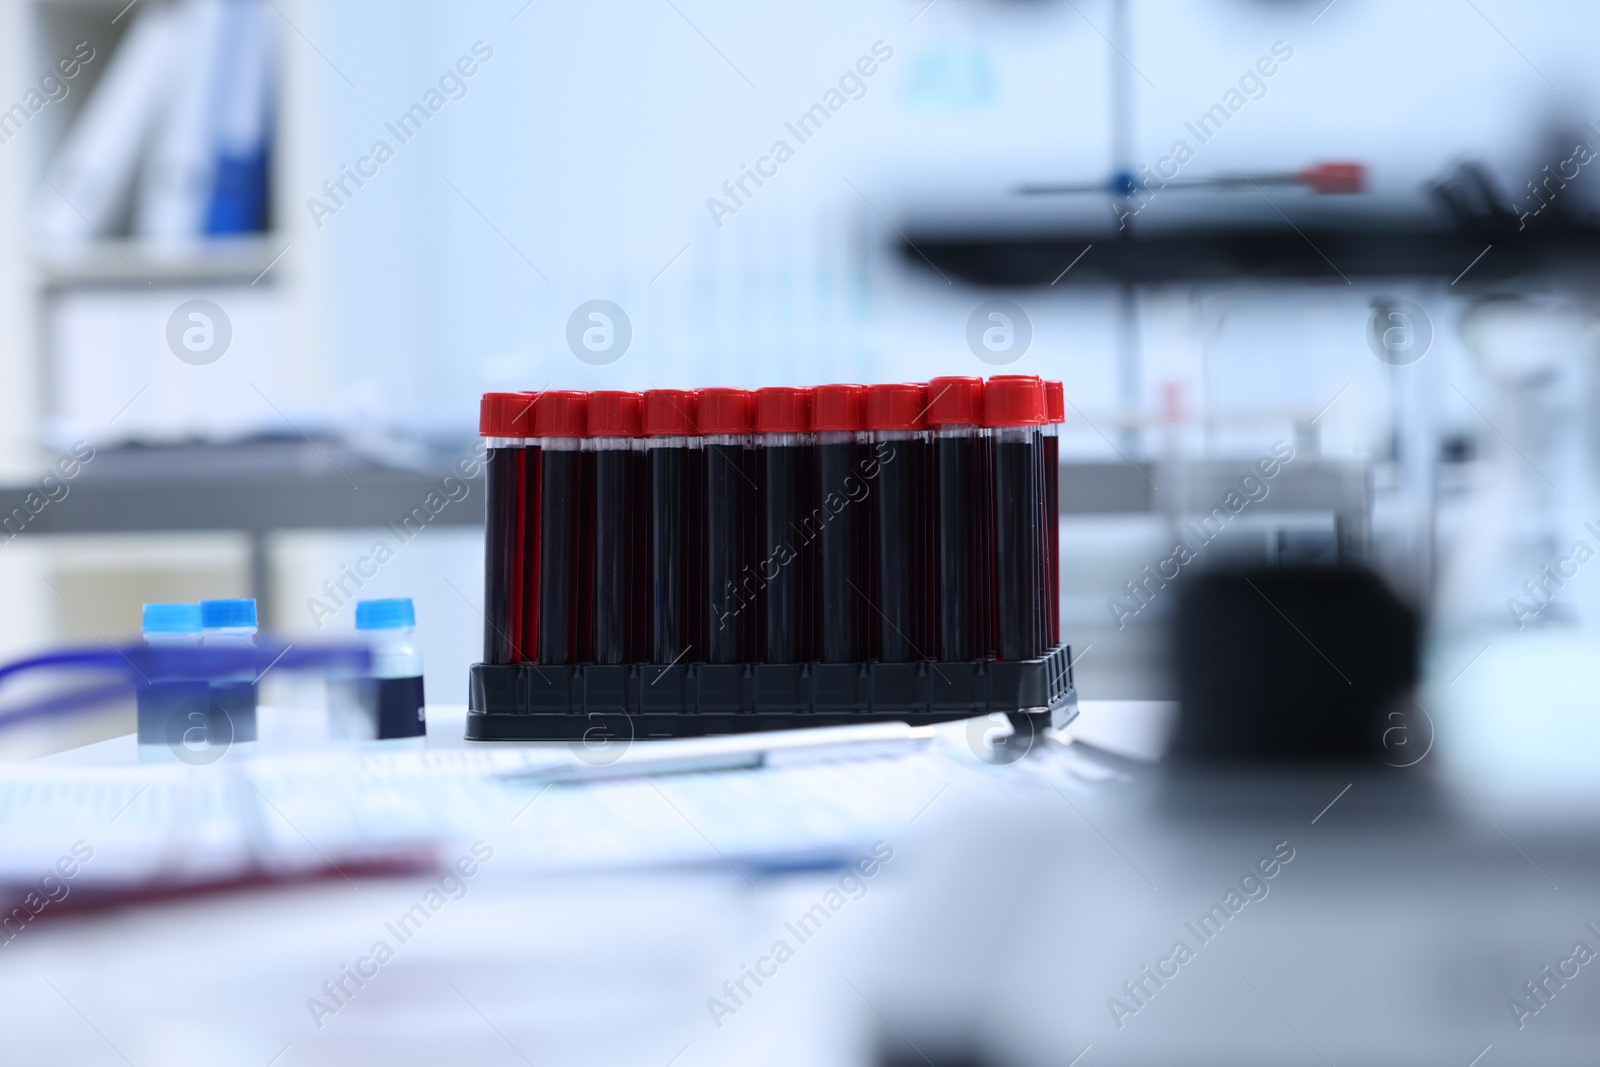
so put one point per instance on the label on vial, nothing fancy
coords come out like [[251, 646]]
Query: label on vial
[[399, 706], [236, 702]]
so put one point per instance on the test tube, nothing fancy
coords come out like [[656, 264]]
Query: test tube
[[955, 416], [726, 419], [642, 540], [614, 428], [1055, 402], [896, 415], [839, 524], [672, 455], [1041, 581], [231, 623], [560, 421], [394, 683], [786, 465], [167, 709], [530, 536], [504, 424], [1014, 409]]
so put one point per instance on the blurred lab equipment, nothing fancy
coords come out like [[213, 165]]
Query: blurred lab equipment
[[1279, 892], [1518, 609], [1290, 664], [1325, 179], [1538, 489], [1298, 918]]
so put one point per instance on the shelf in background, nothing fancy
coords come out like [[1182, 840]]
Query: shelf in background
[[253, 487], [266, 483], [122, 262], [1365, 242]]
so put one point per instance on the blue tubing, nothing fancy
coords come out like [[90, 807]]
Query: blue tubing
[[137, 663]]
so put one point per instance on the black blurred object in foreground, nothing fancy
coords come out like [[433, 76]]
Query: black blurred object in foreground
[[1290, 664]]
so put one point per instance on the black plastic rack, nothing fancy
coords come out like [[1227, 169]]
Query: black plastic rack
[[624, 702]]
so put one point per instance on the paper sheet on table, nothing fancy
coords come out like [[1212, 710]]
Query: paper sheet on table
[[292, 813]]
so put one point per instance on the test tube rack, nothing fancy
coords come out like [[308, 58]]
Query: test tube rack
[[692, 562]]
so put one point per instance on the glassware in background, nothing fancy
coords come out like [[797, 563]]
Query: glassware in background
[[1513, 673], [1536, 491], [1404, 477]]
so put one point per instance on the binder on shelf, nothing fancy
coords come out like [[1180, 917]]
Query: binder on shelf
[[242, 128], [89, 183], [179, 128], [174, 188]]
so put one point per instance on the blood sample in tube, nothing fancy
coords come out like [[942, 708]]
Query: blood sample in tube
[[726, 420], [1041, 578], [1056, 413], [504, 422], [614, 427], [900, 446], [839, 523], [787, 465], [530, 509], [955, 415], [560, 421], [1013, 410], [671, 454]]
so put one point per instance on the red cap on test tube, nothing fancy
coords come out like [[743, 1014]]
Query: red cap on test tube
[[838, 408], [614, 414], [561, 413], [726, 411], [505, 415], [1013, 400], [955, 402], [902, 406], [781, 409], [669, 413]]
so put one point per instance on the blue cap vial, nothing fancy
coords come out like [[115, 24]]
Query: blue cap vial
[[393, 614], [227, 614], [171, 619]]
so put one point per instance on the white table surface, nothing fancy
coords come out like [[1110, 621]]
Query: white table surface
[[583, 967]]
